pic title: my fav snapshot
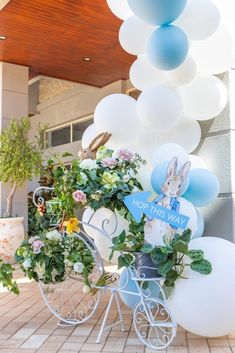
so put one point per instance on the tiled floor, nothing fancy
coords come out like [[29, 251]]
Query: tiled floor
[[26, 326]]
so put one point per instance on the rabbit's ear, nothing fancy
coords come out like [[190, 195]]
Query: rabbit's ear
[[99, 140], [172, 167], [184, 171]]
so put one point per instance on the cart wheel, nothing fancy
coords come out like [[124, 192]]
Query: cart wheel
[[153, 323], [66, 299]]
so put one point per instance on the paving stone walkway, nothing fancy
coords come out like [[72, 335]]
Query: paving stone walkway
[[27, 326]]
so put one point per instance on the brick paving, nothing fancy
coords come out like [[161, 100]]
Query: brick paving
[[27, 326]]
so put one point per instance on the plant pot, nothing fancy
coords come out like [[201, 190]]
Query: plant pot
[[145, 266], [11, 235]]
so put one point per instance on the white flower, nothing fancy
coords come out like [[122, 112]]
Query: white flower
[[135, 189], [78, 267], [27, 264], [88, 164], [126, 178], [54, 235], [86, 289], [68, 263], [40, 270], [83, 178], [53, 274]]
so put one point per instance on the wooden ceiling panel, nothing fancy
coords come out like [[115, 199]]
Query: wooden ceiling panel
[[53, 37]]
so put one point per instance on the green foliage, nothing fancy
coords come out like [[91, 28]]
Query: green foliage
[[20, 159], [56, 257], [6, 277], [102, 186], [170, 259]]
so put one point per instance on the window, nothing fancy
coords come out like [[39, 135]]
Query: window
[[79, 128], [58, 137], [68, 133]]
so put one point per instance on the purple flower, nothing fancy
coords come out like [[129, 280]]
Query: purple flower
[[36, 246], [32, 239], [109, 162], [79, 196], [125, 155]]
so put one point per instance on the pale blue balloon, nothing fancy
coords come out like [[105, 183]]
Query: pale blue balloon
[[167, 47], [157, 12], [203, 187], [126, 283], [200, 225], [158, 178]]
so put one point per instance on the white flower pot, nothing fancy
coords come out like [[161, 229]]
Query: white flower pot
[[11, 235]]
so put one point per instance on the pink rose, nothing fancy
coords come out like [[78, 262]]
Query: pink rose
[[36, 246], [125, 155], [79, 196], [109, 162]]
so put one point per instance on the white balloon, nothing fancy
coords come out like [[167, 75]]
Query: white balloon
[[186, 134], [117, 115], [184, 73], [144, 177], [196, 162], [200, 225], [156, 229], [160, 107], [167, 152], [200, 19], [204, 98], [120, 9], [134, 34], [144, 74], [89, 134], [214, 55], [205, 304]]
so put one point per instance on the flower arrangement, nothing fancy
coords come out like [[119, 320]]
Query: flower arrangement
[[102, 182], [52, 254]]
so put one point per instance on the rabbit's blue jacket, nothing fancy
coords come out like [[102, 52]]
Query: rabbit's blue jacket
[[174, 204]]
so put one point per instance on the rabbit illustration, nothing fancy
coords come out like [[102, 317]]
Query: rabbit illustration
[[98, 141], [171, 189]]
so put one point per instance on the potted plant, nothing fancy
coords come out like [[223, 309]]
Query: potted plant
[[20, 160], [168, 261]]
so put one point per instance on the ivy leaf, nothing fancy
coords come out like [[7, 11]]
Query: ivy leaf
[[147, 248], [195, 255], [181, 247], [172, 275], [203, 266], [67, 154], [157, 256], [186, 235], [125, 260], [166, 249], [165, 267]]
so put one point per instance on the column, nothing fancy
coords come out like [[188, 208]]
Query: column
[[13, 105], [217, 148]]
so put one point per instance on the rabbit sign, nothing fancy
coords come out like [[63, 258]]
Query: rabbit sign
[[163, 213]]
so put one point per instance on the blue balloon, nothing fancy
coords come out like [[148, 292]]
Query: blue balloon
[[203, 187], [157, 12], [200, 225], [159, 176], [167, 47], [126, 283]]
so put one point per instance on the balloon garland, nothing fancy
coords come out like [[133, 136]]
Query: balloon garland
[[177, 47]]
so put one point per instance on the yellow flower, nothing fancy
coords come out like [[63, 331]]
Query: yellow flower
[[72, 225]]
